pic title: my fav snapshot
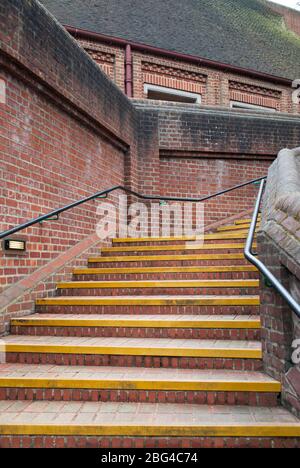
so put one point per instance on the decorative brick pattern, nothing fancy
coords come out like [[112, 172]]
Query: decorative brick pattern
[[106, 61], [110, 58], [174, 78], [256, 95]]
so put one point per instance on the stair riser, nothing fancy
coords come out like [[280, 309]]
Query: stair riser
[[155, 291], [173, 252], [139, 310], [187, 333], [134, 361], [239, 275], [238, 237], [142, 396], [170, 263], [46, 441]]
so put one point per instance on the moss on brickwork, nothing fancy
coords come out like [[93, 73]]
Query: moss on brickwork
[[244, 33]]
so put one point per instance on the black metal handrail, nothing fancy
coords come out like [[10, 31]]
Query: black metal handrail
[[106, 192], [259, 264]]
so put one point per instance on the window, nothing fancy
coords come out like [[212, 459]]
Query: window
[[244, 105], [169, 94]]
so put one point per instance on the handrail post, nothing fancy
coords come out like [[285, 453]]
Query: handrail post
[[293, 304], [250, 237]]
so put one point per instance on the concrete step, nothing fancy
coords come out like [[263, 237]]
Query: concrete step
[[137, 288], [94, 424], [121, 384], [143, 326], [136, 352]]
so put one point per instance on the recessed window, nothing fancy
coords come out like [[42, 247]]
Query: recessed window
[[168, 94], [244, 105]]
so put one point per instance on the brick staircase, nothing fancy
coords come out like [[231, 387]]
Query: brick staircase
[[155, 344]]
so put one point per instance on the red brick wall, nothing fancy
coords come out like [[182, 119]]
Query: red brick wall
[[50, 160], [109, 58], [66, 132], [202, 151], [201, 177]]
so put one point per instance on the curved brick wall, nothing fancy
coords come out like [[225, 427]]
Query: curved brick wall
[[279, 249]]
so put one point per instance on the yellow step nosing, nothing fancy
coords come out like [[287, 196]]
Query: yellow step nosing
[[69, 300], [233, 227], [202, 430], [154, 248], [180, 269], [133, 384], [235, 353], [157, 258], [214, 236], [246, 220], [252, 283], [205, 324]]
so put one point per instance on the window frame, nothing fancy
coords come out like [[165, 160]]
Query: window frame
[[171, 91], [245, 105]]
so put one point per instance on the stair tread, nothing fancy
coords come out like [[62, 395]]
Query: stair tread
[[122, 374], [153, 258], [138, 318], [160, 283], [234, 227], [96, 418], [130, 342], [246, 220], [146, 419], [168, 269], [212, 236], [186, 247], [152, 300]]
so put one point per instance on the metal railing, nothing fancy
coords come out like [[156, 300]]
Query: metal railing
[[106, 192], [251, 257]]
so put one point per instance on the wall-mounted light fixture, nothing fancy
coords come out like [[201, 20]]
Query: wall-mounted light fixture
[[14, 245]]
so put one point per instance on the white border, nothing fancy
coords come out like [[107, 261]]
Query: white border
[[245, 105], [172, 91]]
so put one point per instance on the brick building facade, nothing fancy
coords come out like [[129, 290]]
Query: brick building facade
[[146, 71]]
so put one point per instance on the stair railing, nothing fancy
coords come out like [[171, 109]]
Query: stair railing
[[103, 194], [252, 258]]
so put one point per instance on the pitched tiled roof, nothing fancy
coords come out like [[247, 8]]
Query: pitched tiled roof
[[244, 33]]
